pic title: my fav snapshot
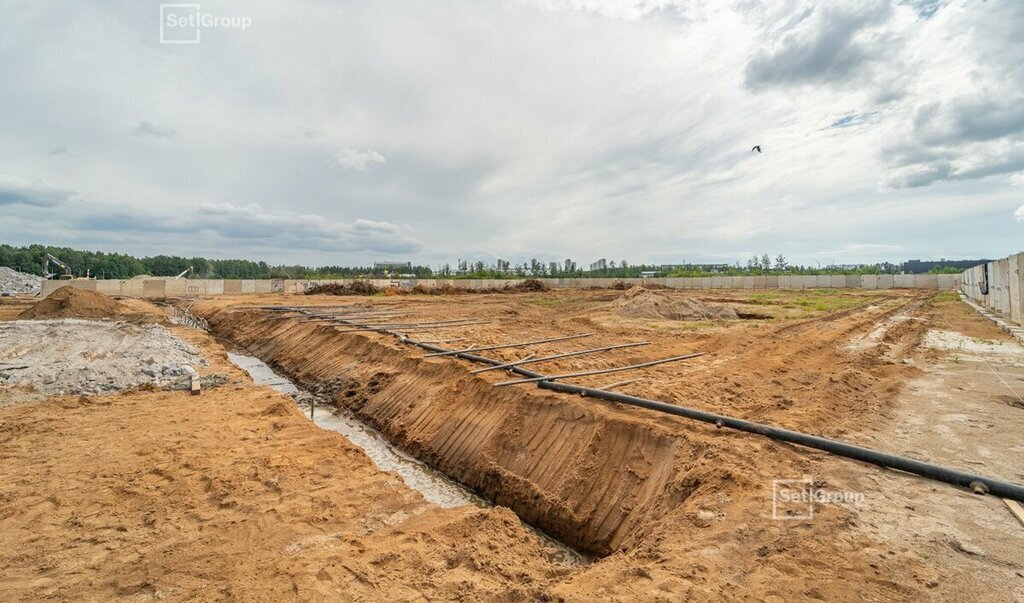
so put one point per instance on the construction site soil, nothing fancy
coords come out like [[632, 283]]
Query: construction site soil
[[71, 302], [234, 494]]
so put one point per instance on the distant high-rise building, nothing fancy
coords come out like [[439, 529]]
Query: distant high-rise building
[[601, 264]]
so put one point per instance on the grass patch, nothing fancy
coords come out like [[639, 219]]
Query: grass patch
[[945, 297]]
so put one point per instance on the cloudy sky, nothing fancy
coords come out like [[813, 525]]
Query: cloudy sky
[[345, 132]]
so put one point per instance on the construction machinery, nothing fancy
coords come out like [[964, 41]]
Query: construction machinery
[[47, 260], [183, 272]]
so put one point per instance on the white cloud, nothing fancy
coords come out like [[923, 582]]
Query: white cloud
[[352, 159], [1019, 214], [540, 128]]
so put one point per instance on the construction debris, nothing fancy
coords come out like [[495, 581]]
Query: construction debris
[[353, 288], [41, 358], [13, 282]]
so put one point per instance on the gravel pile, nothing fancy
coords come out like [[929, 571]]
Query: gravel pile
[[12, 281], [41, 358]]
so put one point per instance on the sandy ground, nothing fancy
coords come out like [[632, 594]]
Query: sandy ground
[[234, 494]]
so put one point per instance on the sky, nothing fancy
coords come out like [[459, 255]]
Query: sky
[[316, 132]]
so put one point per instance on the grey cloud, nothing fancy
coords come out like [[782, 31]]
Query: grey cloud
[[969, 119], [15, 190], [968, 167], [822, 48], [309, 231], [58, 150], [151, 129]]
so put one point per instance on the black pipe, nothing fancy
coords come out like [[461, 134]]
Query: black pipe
[[892, 461]]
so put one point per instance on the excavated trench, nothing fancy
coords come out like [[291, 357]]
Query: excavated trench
[[597, 481]]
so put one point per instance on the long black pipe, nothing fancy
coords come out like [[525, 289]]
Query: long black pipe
[[892, 461], [977, 483]]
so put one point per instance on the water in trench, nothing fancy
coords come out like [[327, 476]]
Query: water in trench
[[433, 485]]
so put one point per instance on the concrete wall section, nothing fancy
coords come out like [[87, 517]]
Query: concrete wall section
[[997, 285], [1004, 276]]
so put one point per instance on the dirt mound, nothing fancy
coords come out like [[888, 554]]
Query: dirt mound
[[353, 288], [531, 284], [71, 302], [527, 286], [639, 302]]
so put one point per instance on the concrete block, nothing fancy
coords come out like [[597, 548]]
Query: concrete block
[[771, 282], [926, 281], [948, 281], [109, 287], [262, 286], [131, 287], [823, 281], [852, 281], [904, 281], [837, 281], [759, 282], [734, 282], [717, 282], [705, 282], [869, 281], [153, 288], [746, 282], [232, 287], [174, 287], [886, 281]]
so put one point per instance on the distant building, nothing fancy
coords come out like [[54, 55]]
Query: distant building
[[387, 267], [553, 268], [601, 264], [920, 267]]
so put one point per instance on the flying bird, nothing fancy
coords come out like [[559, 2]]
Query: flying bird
[[757, 148]]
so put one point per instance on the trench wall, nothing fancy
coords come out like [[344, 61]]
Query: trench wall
[[998, 285], [202, 287]]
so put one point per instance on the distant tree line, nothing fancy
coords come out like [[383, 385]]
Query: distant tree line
[[122, 266]]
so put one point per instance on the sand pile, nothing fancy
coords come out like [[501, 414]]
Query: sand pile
[[70, 302], [12, 281], [641, 303]]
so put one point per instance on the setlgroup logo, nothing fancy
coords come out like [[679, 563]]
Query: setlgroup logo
[[797, 499], [184, 23]]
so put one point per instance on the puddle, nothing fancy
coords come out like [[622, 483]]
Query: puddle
[[433, 485]]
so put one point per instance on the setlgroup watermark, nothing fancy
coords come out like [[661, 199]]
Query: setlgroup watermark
[[184, 23], [798, 498]]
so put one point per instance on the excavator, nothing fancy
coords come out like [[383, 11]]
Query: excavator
[[67, 276]]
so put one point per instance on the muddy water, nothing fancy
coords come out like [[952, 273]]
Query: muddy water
[[434, 486]]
